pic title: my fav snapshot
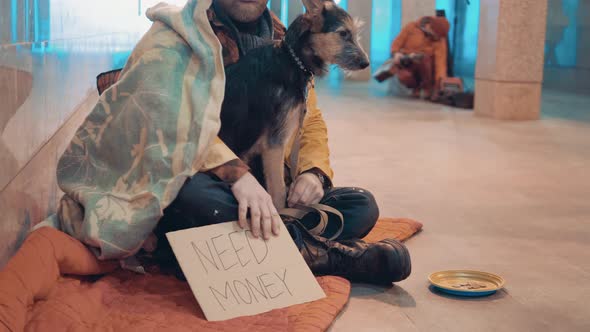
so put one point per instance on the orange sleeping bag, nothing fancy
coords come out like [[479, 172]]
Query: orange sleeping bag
[[54, 283]]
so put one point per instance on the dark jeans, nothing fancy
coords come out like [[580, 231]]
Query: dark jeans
[[419, 75], [205, 200]]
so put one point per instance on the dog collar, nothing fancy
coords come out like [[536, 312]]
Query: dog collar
[[298, 61]]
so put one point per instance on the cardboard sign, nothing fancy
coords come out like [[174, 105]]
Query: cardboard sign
[[233, 274]]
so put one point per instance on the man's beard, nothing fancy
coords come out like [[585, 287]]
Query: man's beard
[[246, 13]]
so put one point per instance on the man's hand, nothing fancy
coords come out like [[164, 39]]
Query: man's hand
[[397, 57], [307, 189], [263, 214]]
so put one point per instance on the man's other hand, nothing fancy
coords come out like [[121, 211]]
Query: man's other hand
[[251, 196], [307, 189], [397, 58]]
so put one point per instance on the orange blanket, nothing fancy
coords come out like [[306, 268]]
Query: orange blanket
[[51, 285]]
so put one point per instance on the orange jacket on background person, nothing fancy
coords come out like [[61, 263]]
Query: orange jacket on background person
[[314, 154], [413, 40]]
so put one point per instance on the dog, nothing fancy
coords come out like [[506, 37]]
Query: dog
[[266, 91]]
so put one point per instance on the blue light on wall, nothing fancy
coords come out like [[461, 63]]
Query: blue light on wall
[[386, 26], [562, 34], [14, 23], [396, 16], [463, 37], [381, 30], [285, 12], [36, 20], [449, 6], [26, 23], [470, 38]]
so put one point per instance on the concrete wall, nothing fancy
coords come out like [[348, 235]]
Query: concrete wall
[[50, 54], [567, 52]]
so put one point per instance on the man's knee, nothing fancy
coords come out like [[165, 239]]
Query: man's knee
[[359, 208], [367, 207], [406, 77], [204, 196], [195, 189]]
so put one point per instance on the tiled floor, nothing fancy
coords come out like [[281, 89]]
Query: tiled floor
[[509, 198]]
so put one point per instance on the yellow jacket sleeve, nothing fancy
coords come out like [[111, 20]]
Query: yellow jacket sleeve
[[314, 151]]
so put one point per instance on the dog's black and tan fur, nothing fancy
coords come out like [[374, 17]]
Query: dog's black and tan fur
[[266, 91]]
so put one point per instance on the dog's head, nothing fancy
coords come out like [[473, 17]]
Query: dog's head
[[327, 34]]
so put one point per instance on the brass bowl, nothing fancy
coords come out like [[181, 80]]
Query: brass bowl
[[466, 282]]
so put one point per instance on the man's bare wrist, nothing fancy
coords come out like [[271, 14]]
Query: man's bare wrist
[[324, 179]]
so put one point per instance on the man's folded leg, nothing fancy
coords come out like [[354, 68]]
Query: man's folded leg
[[359, 209], [205, 200], [379, 263], [407, 78]]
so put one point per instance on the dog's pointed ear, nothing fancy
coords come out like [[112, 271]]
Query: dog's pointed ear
[[314, 10], [314, 7]]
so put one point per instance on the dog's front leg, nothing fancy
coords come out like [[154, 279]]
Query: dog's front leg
[[274, 174]]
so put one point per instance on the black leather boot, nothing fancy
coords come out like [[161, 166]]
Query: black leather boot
[[378, 263]]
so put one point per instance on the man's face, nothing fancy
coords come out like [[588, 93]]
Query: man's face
[[244, 11]]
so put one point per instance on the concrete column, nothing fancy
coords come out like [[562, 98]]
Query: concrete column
[[364, 11], [5, 22], [23, 19], [412, 10], [15, 20], [509, 68]]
